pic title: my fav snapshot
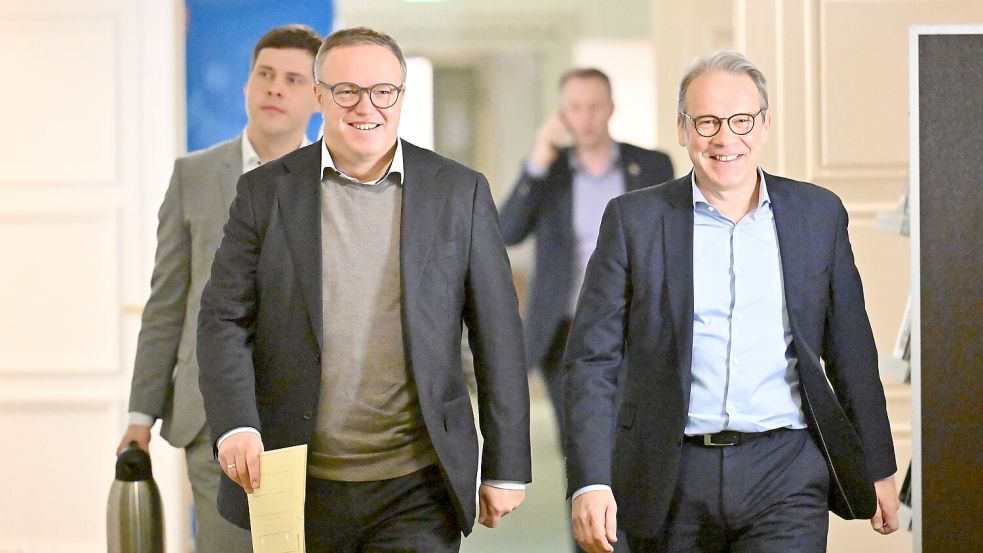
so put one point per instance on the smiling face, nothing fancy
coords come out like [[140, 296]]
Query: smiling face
[[279, 97], [726, 161], [360, 137]]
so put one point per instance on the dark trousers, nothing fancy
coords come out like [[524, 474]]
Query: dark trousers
[[553, 376], [764, 496], [409, 514]]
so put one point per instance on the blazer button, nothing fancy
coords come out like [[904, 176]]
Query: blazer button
[[318, 357], [308, 415]]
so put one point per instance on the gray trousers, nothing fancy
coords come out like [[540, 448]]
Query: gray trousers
[[214, 534]]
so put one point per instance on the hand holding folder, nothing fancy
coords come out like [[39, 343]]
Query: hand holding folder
[[276, 508]]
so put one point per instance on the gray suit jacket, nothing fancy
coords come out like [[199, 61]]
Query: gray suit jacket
[[195, 208], [260, 332]]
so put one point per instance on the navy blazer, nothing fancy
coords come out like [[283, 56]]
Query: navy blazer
[[544, 207], [636, 314], [260, 331]]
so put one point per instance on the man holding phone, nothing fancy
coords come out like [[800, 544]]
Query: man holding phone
[[574, 169]]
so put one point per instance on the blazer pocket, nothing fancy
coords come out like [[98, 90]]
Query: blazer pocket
[[450, 248], [458, 414], [626, 415]]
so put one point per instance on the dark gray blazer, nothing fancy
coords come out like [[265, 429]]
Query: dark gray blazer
[[636, 314], [260, 330], [195, 208], [544, 207]]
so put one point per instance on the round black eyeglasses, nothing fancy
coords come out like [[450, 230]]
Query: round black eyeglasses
[[346, 95], [709, 125]]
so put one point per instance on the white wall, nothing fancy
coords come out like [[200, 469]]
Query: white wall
[[630, 64], [89, 135], [416, 119]]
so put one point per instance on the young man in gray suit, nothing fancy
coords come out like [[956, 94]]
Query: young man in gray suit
[[333, 318], [279, 103]]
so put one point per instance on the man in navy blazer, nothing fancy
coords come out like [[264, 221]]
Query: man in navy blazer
[[559, 197], [717, 295]]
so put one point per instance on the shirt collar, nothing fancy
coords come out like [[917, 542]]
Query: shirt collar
[[250, 159], [577, 167], [698, 196], [395, 167]]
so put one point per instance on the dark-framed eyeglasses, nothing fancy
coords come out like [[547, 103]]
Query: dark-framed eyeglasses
[[709, 125], [346, 95]]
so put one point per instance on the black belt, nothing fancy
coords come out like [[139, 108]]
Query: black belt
[[729, 437]]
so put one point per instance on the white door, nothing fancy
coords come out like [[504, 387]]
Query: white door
[[90, 126]]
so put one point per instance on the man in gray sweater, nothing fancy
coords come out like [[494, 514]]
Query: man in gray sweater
[[333, 318]]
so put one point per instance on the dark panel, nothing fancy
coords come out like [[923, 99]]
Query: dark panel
[[950, 84]]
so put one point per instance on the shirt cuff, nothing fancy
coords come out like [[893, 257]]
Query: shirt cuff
[[142, 419], [505, 484], [239, 430], [592, 488], [535, 171]]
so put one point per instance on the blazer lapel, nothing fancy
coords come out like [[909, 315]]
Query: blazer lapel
[[793, 240], [563, 209], [299, 197], [424, 194], [632, 171], [230, 170], [677, 239], [851, 493]]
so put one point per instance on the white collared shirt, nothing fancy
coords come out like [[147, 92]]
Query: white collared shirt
[[395, 167], [250, 159]]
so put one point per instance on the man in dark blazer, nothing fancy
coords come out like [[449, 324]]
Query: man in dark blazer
[[279, 105], [559, 198], [718, 295], [333, 318]]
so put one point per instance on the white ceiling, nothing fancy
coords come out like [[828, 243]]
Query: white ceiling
[[586, 19]]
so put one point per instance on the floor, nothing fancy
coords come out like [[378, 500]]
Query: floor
[[540, 524]]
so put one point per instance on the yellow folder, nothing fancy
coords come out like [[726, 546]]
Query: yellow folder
[[276, 508]]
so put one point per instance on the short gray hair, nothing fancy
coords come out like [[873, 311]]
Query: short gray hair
[[357, 36], [730, 62]]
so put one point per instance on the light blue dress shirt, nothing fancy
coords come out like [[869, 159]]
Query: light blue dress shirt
[[744, 376]]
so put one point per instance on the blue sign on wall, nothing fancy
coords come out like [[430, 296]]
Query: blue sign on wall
[[221, 35]]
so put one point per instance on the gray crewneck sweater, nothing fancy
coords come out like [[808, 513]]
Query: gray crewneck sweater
[[369, 424]]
